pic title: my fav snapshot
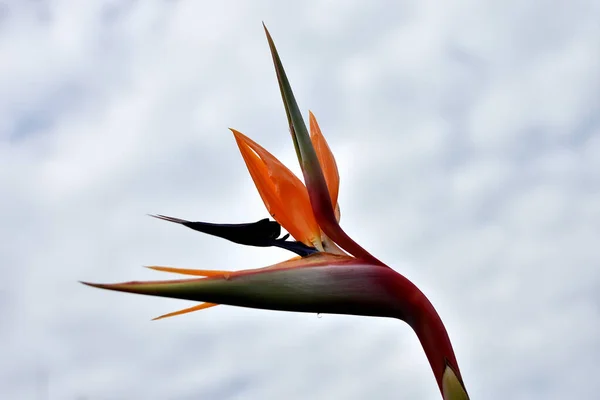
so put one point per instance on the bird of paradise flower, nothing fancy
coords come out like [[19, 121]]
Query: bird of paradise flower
[[331, 272]]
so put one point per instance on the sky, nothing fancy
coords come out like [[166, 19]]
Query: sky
[[467, 135]]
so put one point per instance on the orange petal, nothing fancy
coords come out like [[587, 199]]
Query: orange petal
[[283, 194], [199, 307], [194, 272], [326, 159]]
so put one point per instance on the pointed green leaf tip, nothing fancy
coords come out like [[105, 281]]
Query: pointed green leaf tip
[[307, 156], [314, 178]]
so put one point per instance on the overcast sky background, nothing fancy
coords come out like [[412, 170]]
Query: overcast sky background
[[467, 134]]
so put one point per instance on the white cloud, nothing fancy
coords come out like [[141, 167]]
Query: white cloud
[[467, 139]]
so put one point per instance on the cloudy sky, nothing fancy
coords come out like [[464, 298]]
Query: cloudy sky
[[467, 134]]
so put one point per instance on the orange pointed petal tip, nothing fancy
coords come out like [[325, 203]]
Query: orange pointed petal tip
[[194, 272], [283, 194], [198, 307], [326, 160]]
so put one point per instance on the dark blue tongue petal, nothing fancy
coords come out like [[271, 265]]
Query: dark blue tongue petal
[[263, 233]]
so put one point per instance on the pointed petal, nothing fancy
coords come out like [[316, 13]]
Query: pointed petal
[[332, 176], [283, 194], [198, 307], [261, 233], [185, 271], [326, 159], [313, 175]]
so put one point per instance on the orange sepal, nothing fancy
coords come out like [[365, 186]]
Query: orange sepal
[[283, 194], [326, 159], [187, 271], [198, 307]]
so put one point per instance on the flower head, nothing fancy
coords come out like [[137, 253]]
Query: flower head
[[331, 272]]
